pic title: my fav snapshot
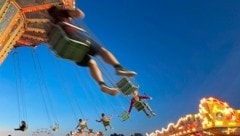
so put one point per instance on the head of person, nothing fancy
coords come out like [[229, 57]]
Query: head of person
[[53, 11], [135, 93], [23, 122], [103, 114], [90, 130], [80, 120]]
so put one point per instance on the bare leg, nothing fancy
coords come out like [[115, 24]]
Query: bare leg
[[109, 58], [95, 71], [149, 108], [16, 129], [110, 125], [146, 113], [97, 75]]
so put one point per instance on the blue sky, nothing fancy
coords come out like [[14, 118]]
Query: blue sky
[[182, 51]]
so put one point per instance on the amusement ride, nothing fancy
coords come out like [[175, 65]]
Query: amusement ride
[[26, 23]]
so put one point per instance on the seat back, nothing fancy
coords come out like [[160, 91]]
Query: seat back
[[126, 87], [124, 116], [106, 123], [65, 47], [139, 106]]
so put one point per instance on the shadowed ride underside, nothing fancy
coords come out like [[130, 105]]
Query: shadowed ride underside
[[25, 23]]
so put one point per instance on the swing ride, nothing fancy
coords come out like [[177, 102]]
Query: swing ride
[[215, 118], [27, 23]]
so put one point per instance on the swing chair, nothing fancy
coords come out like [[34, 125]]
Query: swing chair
[[106, 123], [124, 116], [55, 127], [22, 127], [20, 94], [65, 47], [142, 106], [139, 106], [126, 87]]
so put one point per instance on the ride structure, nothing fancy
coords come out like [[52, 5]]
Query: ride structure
[[215, 118], [25, 23]]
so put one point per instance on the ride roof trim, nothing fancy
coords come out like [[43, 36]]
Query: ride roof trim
[[215, 117]]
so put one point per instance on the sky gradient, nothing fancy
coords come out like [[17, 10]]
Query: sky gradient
[[182, 51]]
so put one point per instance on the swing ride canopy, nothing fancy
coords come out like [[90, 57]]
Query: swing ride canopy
[[25, 22]]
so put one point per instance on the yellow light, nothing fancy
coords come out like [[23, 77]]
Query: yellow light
[[232, 123], [218, 123]]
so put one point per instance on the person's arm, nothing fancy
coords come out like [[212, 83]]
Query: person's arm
[[99, 120], [76, 13], [144, 97], [77, 126]]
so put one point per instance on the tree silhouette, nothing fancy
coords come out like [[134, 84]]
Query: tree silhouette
[[115, 134]]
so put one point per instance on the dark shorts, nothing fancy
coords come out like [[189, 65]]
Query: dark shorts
[[95, 47]]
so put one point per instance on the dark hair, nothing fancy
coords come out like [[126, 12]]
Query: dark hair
[[52, 10]]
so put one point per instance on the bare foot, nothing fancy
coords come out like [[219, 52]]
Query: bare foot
[[110, 90], [127, 73]]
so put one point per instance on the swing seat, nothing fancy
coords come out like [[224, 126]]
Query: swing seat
[[124, 116], [83, 127], [65, 47], [22, 129], [106, 123], [55, 127], [26, 128], [139, 106], [126, 87]]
